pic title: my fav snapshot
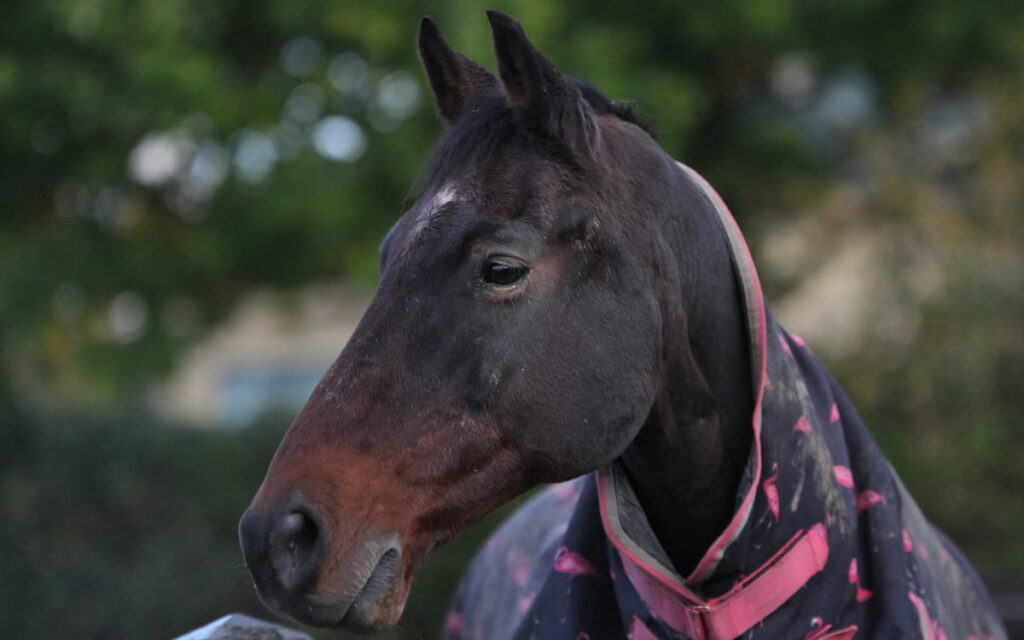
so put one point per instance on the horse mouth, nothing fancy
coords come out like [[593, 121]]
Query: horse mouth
[[360, 601], [379, 603]]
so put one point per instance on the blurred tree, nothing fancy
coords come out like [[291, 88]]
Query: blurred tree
[[161, 157], [122, 529], [946, 192]]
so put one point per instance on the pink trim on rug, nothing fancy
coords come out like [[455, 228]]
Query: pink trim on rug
[[627, 552], [717, 550], [639, 631], [746, 604], [758, 595], [754, 298]]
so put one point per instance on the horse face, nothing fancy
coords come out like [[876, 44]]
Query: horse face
[[512, 341]]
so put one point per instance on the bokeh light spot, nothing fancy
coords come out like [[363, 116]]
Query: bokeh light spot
[[339, 138]]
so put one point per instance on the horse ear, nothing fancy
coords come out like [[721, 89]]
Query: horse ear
[[454, 78], [546, 99]]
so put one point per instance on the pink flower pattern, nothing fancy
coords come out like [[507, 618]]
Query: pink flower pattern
[[572, 563], [771, 493], [844, 476], [863, 595], [867, 499], [803, 425]]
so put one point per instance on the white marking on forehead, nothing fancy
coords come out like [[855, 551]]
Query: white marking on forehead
[[446, 194]]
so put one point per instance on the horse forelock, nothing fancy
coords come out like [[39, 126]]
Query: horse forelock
[[491, 126]]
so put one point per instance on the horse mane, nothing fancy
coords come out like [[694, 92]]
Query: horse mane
[[624, 110], [491, 125]]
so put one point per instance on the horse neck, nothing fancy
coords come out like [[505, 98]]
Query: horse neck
[[687, 461]]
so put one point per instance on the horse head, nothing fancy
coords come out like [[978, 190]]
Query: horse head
[[514, 339]]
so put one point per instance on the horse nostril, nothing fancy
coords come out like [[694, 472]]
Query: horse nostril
[[295, 551]]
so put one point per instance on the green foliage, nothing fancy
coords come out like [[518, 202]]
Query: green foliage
[[82, 84], [126, 529], [944, 396]]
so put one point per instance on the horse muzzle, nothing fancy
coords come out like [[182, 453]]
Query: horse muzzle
[[302, 571]]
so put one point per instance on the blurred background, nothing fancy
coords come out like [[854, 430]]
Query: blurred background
[[194, 191]]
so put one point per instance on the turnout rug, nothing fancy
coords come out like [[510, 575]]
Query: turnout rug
[[825, 542]]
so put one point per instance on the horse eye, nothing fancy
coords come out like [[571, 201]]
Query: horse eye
[[502, 274]]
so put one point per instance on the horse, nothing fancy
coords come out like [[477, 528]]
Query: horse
[[566, 304]]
